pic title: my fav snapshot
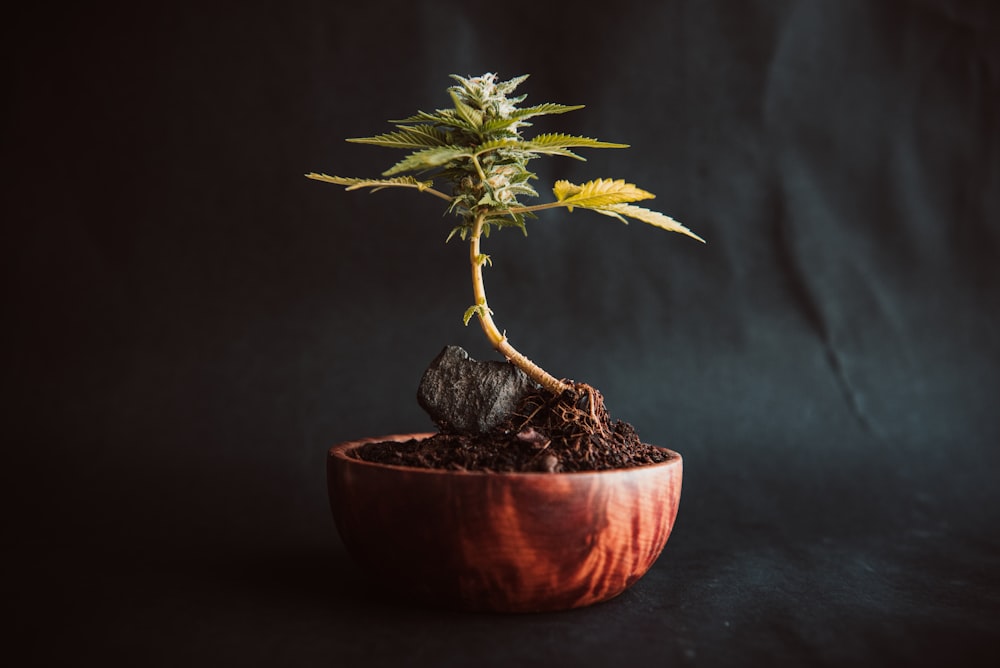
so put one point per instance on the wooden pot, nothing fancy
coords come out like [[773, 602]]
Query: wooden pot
[[506, 542]]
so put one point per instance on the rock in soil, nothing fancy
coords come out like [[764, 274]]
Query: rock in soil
[[545, 433], [466, 396]]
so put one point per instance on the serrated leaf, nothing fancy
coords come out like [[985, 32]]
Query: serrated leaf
[[547, 144], [599, 193], [559, 144], [554, 150], [654, 218], [461, 230], [507, 87], [528, 112], [407, 137], [473, 117], [448, 118], [556, 139], [522, 189], [376, 184], [427, 159], [512, 220], [495, 144], [422, 117], [526, 148]]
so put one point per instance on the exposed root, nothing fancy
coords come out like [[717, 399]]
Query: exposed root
[[574, 427], [576, 412]]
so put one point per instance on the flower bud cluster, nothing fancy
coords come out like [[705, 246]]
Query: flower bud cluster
[[504, 168], [486, 94]]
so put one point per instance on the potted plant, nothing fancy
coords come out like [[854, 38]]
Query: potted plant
[[529, 497]]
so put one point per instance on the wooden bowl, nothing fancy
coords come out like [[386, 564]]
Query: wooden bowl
[[508, 542]]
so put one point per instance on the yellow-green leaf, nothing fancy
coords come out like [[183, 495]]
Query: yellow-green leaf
[[654, 218], [376, 184], [476, 309], [598, 194]]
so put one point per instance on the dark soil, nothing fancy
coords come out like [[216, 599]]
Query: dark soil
[[547, 433]]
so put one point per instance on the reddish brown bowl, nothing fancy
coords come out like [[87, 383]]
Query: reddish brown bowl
[[509, 542]]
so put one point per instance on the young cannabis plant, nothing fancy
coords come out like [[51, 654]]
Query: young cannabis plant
[[475, 147]]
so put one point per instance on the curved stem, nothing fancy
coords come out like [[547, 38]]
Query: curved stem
[[498, 339]]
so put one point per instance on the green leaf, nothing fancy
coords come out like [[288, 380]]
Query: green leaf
[[525, 148], [447, 118], [557, 140], [547, 144], [522, 189], [528, 112], [407, 137], [559, 144], [472, 117], [428, 158], [508, 220], [476, 309], [423, 117], [654, 218], [495, 144], [375, 184], [600, 193], [461, 230], [507, 87]]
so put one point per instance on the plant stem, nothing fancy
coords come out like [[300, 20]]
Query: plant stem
[[479, 168], [533, 207], [498, 339]]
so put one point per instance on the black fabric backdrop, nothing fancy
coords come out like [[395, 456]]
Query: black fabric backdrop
[[190, 323]]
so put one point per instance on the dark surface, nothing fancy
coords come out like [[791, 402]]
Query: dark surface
[[189, 323]]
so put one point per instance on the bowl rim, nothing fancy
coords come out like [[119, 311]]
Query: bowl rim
[[340, 450]]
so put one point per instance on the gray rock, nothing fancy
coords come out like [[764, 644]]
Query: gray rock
[[471, 397]]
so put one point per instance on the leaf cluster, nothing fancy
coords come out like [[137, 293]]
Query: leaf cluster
[[476, 148]]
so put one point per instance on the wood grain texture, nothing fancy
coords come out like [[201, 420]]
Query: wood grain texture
[[512, 542]]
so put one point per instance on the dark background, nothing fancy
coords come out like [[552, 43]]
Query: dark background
[[190, 323]]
